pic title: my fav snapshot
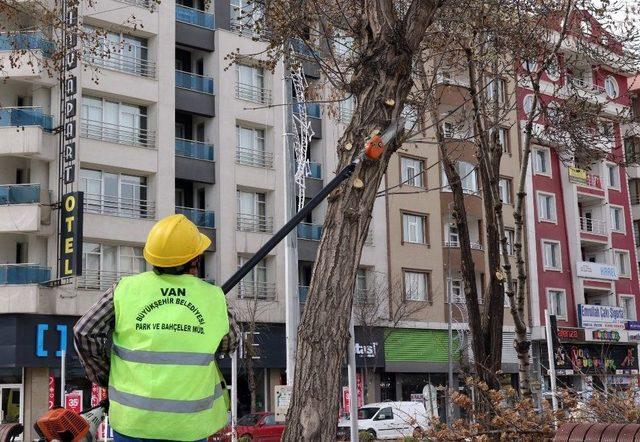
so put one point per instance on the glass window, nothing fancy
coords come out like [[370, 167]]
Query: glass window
[[546, 207], [617, 220], [385, 414], [527, 104], [468, 178], [456, 291], [367, 412], [254, 284], [541, 161], [503, 139], [115, 194], [415, 286], [557, 303], [451, 235], [611, 87], [412, 171], [346, 107], [628, 303], [250, 83], [613, 175], [505, 190], [553, 69], [622, 263], [511, 238], [252, 211], [551, 253], [496, 90], [413, 228]]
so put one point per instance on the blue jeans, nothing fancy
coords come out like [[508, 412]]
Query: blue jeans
[[117, 437]]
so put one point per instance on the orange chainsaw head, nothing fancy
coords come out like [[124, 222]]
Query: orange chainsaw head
[[63, 425], [374, 147]]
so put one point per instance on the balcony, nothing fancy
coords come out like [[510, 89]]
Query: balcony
[[308, 55], [92, 279], [201, 218], [114, 133], [122, 63], [194, 94], [11, 274], [257, 290], [309, 231], [195, 28], [248, 222], [119, 206], [252, 93], [456, 245], [313, 181], [194, 161], [583, 88], [20, 208], [592, 226], [25, 116], [314, 116], [254, 157], [23, 54]]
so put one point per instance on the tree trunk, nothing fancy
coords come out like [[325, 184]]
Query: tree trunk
[[323, 334]]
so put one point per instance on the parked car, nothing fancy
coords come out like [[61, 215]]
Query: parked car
[[389, 420], [256, 427]]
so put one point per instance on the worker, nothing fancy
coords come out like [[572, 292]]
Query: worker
[[152, 339]]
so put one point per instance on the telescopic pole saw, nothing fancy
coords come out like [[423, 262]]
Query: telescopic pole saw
[[374, 148]]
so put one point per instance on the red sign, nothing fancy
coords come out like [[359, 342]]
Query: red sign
[[52, 391], [571, 334], [346, 399], [73, 401], [98, 394]]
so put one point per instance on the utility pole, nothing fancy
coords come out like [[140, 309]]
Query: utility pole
[[449, 328], [552, 362]]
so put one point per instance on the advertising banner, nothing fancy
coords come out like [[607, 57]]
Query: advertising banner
[[601, 316], [594, 270], [73, 401], [578, 176]]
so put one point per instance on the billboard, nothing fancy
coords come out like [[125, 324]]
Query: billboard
[[71, 234]]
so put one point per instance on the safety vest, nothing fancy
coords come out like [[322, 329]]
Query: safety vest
[[164, 382]]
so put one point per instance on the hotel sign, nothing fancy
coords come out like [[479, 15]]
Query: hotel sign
[[601, 316], [70, 90], [71, 235], [596, 270], [578, 176]]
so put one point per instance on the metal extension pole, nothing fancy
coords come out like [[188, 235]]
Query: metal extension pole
[[288, 227], [234, 396], [353, 390]]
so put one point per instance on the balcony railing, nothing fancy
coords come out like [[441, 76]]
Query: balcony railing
[[98, 279], [194, 149], [19, 194], [248, 222], [146, 4], [253, 93], [315, 170], [254, 157], [309, 231], [194, 82], [23, 274], [586, 86], [118, 206], [122, 62], [25, 116], [313, 109], [593, 226], [256, 290], [26, 41], [456, 244], [195, 17], [114, 133], [594, 181], [201, 218]]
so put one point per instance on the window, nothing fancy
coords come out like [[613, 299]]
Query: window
[[530, 65], [511, 239], [104, 264], [255, 284], [244, 15], [542, 163], [505, 190], [452, 238], [503, 139], [617, 219], [456, 291], [607, 136], [546, 207], [115, 194], [622, 263], [613, 176], [551, 254], [252, 211], [448, 129], [557, 303], [250, 148], [119, 51], [345, 109], [496, 90], [250, 84], [385, 414], [415, 286], [412, 171], [114, 122], [553, 69], [413, 228], [468, 178], [342, 44], [585, 26], [628, 303], [527, 104], [611, 87], [361, 294]]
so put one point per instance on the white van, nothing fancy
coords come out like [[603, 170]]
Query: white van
[[389, 420]]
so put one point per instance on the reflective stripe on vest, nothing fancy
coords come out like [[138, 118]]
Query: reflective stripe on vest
[[163, 357], [167, 405]]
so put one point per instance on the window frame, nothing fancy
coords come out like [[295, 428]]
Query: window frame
[[427, 279], [509, 190], [510, 240], [544, 255], [425, 228], [627, 262], [635, 308], [547, 151], [553, 220], [460, 299], [612, 208], [616, 168], [422, 175], [549, 290], [616, 86]]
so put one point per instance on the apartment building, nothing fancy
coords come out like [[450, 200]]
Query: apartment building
[[581, 245]]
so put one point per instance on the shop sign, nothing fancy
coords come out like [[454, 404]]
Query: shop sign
[[346, 397], [606, 335], [578, 176], [595, 270], [571, 334], [633, 336], [632, 325], [73, 401], [590, 359], [601, 316], [52, 390]]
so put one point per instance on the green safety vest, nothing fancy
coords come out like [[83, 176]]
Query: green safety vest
[[164, 382]]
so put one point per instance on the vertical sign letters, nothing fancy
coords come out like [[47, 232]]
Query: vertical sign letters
[[71, 234], [69, 126]]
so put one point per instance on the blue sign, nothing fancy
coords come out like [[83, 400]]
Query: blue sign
[[632, 325], [41, 352]]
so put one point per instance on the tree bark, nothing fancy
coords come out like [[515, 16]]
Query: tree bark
[[323, 334]]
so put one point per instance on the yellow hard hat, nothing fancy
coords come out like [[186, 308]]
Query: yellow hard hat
[[174, 241]]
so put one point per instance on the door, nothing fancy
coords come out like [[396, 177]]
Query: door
[[11, 403], [588, 220]]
